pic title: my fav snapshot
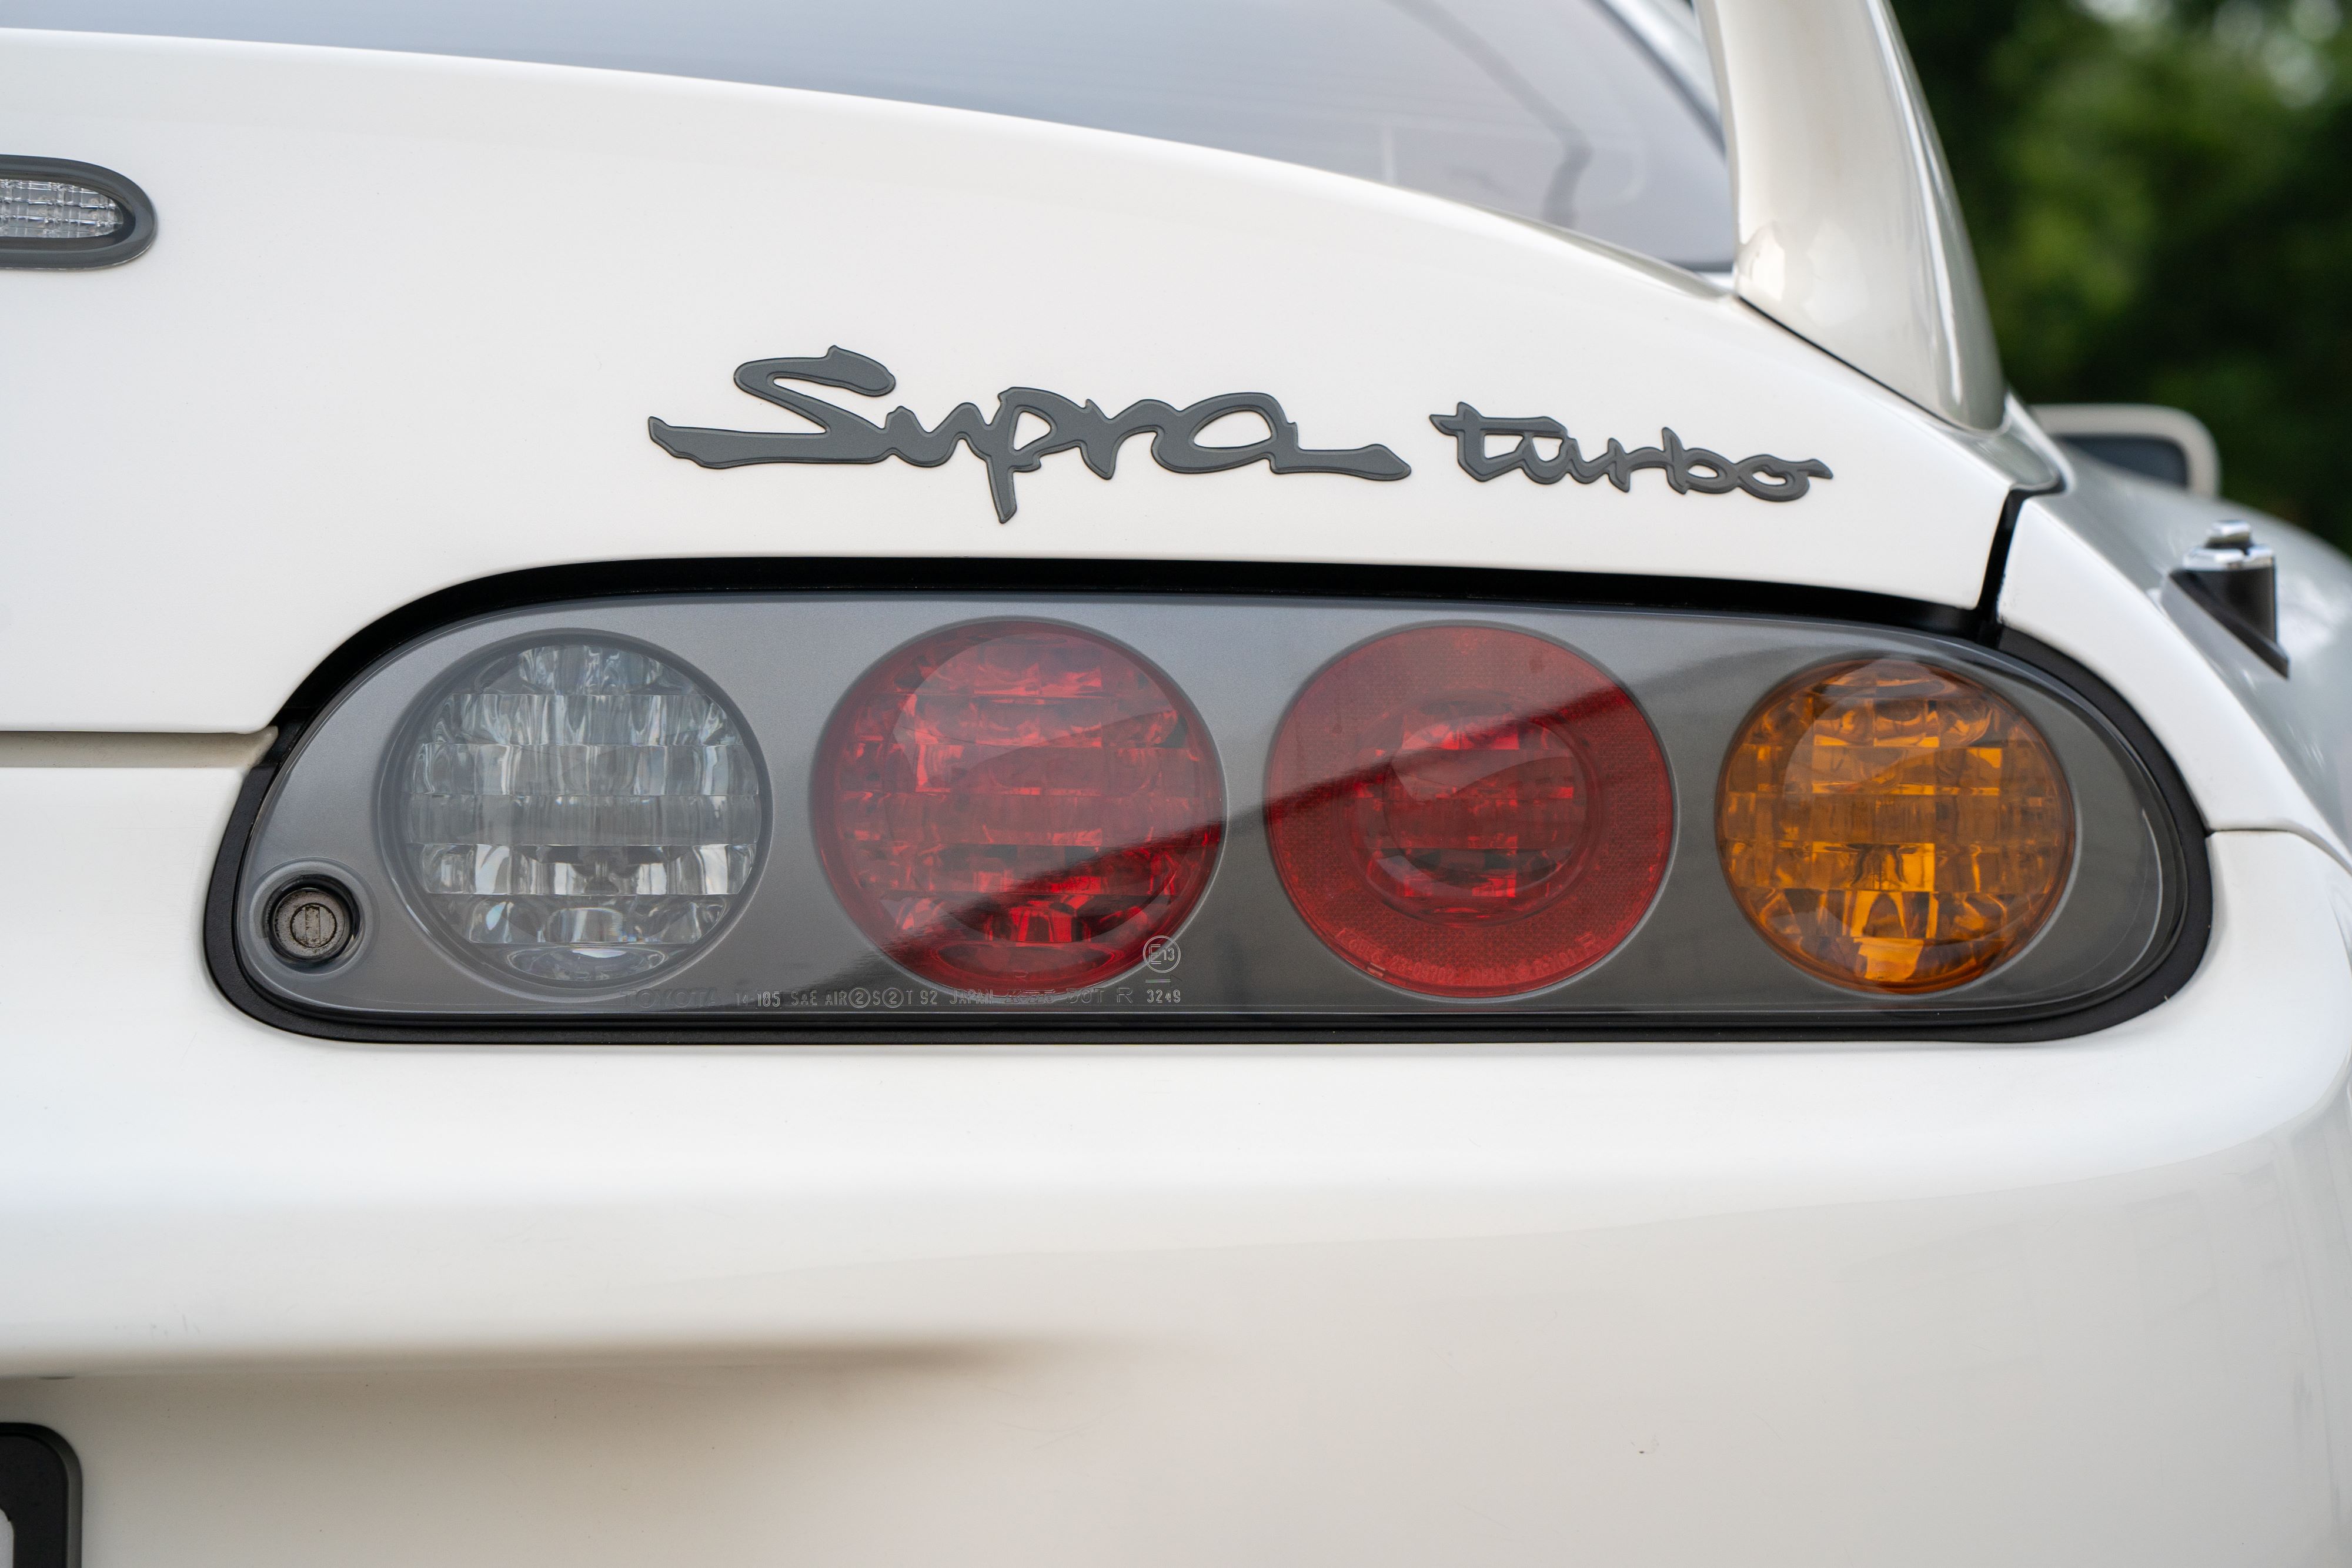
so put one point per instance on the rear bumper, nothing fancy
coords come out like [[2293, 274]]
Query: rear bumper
[[2083, 1301]]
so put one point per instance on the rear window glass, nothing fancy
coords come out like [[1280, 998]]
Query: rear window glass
[[1584, 114]]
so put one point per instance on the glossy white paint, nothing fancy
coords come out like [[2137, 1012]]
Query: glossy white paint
[[408, 315], [2064, 1303], [2141, 531], [1849, 233], [2075, 1302], [2086, 574]]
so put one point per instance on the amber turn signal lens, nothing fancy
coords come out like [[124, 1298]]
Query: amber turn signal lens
[[1893, 826]]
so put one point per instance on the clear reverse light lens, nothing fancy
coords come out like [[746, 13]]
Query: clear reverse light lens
[[53, 210], [579, 813]]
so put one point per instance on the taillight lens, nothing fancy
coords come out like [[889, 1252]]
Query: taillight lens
[[578, 812], [1895, 826], [1016, 808], [1468, 810]]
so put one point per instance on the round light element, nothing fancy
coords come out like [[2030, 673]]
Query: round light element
[[1468, 810], [576, 812], [1014, 808], [1894, 826], [311, 924]]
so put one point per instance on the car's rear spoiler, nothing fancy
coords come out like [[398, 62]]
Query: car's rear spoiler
[[1849, 232]]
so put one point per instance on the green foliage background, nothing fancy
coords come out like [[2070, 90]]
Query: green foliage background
[[2161, 195]]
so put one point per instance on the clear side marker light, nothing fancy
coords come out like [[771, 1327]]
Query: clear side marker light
[[56, 213], [577, 813], [53, 210]]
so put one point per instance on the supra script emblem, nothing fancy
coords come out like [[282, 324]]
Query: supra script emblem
[[844, 436]]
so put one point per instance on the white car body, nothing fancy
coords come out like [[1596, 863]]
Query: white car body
[[2079, 1300]]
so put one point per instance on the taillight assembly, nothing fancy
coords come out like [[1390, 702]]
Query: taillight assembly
[[887, 814]]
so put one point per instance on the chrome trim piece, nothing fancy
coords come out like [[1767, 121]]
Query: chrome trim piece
[[98, 749]]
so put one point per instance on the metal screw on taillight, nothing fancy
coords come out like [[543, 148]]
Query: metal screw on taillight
[[311, 924]]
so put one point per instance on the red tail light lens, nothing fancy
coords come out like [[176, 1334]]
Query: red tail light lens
[[1468, 810], [1015, 808]]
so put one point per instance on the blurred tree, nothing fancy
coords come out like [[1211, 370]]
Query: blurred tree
[[2161, 195]]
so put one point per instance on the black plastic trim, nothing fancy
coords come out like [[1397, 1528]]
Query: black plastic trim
[[125, 244], [40, 1492], [2193, 919], [2191, 922], [2266, 647], [1987, 609], [945, 574]]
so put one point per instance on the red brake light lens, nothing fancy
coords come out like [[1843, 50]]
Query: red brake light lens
[[1468, 810], [1015, 808]]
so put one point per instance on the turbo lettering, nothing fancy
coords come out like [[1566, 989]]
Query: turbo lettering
[[1688, 468]]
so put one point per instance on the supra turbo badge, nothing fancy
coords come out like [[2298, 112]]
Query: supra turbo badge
[[845, 436]]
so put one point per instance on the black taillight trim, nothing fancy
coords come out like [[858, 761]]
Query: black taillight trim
[[40, 1492], [2188, 919], [126, 244]]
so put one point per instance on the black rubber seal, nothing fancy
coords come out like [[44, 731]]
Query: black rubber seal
[[2004, 533], [2187, 919], [2266, 647], [40, 1492], [126, 244]]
